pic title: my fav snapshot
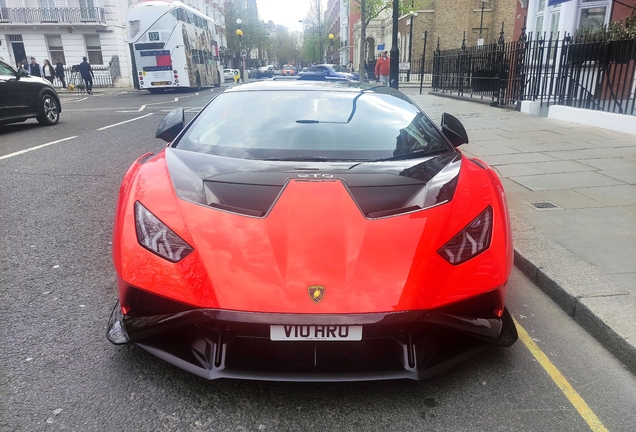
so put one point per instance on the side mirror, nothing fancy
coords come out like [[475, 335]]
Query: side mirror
[[171, 125], [454, 130]]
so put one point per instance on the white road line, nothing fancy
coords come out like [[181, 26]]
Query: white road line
[[36, 147], [127, 121]]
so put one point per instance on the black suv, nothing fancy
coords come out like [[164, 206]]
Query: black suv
[[23, 96]]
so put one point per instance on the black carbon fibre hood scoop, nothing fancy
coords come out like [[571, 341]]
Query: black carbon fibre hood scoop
[[251, 187]]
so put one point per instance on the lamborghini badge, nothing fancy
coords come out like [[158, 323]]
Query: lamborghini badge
[[316, 293]]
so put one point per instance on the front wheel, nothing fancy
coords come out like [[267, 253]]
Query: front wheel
[[48, 111]]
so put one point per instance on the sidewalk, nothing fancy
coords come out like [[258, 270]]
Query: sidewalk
[[571, 191]]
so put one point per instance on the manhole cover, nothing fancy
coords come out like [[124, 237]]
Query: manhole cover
[[544, 205]]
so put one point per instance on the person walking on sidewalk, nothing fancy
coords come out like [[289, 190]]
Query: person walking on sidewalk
[[87, 75], [383, 68], [34, 68], [59, 71], [48, 72]]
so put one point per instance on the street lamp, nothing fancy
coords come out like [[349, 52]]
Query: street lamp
[[395, 52], [239, 33], [408, 73], [480, 41], [331, 47]]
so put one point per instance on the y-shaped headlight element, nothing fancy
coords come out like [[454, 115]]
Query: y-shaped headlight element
[[471, 241], [155, 236]]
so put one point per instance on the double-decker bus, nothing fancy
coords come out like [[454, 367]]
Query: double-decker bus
[[172, 45]]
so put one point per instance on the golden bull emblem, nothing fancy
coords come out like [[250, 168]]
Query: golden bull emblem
[[316, 293]]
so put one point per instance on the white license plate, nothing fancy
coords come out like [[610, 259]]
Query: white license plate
[[315, 332]]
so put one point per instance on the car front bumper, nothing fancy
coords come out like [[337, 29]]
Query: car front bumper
[[216, 344]]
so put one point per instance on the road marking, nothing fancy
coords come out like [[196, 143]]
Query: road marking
[[593, 422], [121, 123], [36, 147]]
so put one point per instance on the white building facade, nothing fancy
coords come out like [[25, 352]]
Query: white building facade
[[547, 17], [71, 29]]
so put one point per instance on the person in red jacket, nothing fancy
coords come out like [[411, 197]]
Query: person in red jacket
[[383, 68]]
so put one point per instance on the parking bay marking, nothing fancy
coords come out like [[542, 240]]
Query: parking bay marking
[[36, 147], [126, 121], [579, 404]]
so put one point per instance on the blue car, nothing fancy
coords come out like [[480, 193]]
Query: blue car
[[327, 72]]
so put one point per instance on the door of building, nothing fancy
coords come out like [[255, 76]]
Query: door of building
[[19, 54]]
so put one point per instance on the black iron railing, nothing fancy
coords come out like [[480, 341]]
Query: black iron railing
[[589, 74], [103, 77], [52, 15]]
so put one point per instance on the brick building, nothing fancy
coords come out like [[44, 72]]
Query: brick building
[[447, 20]]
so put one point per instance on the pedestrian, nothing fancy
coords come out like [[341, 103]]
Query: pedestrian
[[350, 67], [383, 68], [48, 72], [24, 65], [87, 75], [34, 68], [59, 71]]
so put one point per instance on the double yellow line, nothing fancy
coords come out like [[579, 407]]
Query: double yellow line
[[569, 392]]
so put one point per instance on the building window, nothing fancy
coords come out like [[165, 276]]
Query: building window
[[56, 51], [94, 49], [538, 23], [593, 14]]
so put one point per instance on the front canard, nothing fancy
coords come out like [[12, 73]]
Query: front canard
[[316, 293]]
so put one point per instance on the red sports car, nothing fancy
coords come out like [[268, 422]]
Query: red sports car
[[311, 231]]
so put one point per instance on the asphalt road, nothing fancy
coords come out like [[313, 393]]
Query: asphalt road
[[57, 289]]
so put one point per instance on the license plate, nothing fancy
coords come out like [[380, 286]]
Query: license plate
[[315, 332], [160, 83]]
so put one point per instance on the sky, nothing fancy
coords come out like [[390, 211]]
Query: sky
[[284, 12]]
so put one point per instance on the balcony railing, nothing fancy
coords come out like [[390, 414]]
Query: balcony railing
[[91, 15]]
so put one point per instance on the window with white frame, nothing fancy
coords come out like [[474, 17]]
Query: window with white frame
[[593, 14], [56, 50], [94, 49], [539, 16]]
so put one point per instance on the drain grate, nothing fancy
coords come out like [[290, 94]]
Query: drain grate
[[544, 205]]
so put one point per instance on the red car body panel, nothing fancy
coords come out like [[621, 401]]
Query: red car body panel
[[315, 234]]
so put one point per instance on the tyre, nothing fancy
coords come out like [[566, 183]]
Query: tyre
[[48, 110], [156, 90]]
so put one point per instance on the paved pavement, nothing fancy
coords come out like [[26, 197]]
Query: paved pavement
[[571, 191]]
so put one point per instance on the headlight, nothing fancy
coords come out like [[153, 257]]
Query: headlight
[[153, 235], [471, 241]]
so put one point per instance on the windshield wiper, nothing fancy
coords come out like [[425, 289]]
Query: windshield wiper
[[307, 159], [412, 155], [298, 158]]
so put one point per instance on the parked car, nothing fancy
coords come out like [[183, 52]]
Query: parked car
[[228, 74], [342, 69], [325, 72], [288, 70], [23, 96], [265, 72], [311, 231]]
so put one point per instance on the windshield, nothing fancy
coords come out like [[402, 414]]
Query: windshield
[[311, 124], [340, 68]]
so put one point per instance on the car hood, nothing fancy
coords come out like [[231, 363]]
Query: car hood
[[34, 79], [264, 232]]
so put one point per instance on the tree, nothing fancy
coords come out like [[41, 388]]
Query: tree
[[285, 46], [255, 33], [370, 10], [314, 33]]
